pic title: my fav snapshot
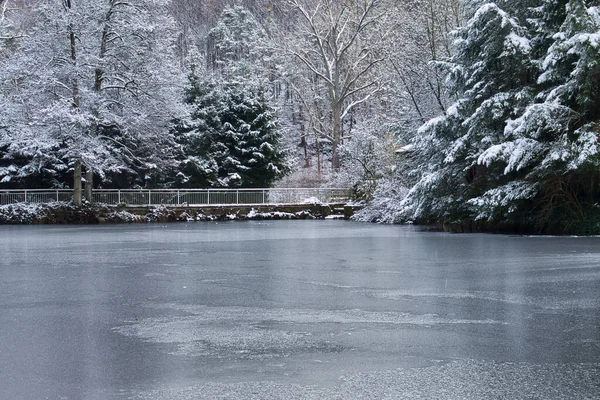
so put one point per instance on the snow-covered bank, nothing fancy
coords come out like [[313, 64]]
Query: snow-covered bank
[[46, 213], [68, 213]]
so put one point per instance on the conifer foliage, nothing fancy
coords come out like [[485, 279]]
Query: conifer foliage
[[520, 143], [233, 139], [248, 144]]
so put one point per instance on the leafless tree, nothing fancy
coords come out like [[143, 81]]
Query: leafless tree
[[337, 43], [425, 40], [13, 18]]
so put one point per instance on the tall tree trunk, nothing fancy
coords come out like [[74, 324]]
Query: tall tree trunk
[[77, 184], [318, 150], [304, 133], [337, 135], [89, 184], [76, 104], [74, 78]]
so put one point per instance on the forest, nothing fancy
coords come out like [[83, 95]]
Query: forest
[[474, 115]]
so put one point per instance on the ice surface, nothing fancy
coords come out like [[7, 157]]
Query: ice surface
[[462, 379], [295, 309]]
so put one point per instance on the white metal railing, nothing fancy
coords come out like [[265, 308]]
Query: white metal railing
[[139, 197]]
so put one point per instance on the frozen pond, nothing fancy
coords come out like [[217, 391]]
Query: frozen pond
[[296, 310]]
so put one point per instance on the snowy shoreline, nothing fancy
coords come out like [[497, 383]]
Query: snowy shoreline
[[68, 213]]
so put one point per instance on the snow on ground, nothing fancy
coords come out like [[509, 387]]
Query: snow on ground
[[311, 200]]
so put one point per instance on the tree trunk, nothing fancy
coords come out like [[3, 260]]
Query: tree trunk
[[303, 133], [77, 184], [76, 104], [318, 150], [74, 79], [337, 135], [89, 184]]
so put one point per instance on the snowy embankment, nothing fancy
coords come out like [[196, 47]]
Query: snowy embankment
[[68, 213], [46, 213]]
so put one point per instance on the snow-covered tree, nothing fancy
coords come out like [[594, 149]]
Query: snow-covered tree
[[423, 39], [14, 16], [233, 139], [5, 23], [492, 74], [198, 168], [235, 43], [337, 45], [519, 145], [551, 148], [369, 158], [94, 85], [248, 147], [419, 91]]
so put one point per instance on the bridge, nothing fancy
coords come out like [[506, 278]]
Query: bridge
[[184, 197]]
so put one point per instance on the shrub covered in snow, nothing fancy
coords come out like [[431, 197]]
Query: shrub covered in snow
[[386, 205], [68, 213], [57, 212]]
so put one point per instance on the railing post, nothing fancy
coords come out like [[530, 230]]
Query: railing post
[[208, 196], [264, 197], [178, 198], [57, 195], [25, 201], [237, 196], [149, 197], [118, 196]]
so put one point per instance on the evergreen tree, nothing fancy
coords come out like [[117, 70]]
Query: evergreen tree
[[235, 43], [520, 145], [552, 147], [491, 73], [248, 147], [197, 167], [233, 139]]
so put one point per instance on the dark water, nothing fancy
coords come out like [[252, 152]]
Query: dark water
[[296, 310]]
